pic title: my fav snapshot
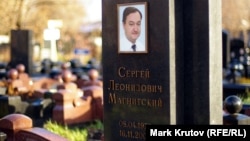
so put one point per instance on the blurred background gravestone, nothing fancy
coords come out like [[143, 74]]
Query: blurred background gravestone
[[21, 49]]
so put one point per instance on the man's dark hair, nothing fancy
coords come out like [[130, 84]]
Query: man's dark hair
[[128, 11]]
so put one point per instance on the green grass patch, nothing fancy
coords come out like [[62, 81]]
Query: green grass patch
[[246, 100], [80, 132]]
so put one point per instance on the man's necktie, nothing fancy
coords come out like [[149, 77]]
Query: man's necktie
[[134, 47]]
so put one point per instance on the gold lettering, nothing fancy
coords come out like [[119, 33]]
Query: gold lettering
[[154, 103], [112, 98], [159, 103], [160, 89], [123, 72], [111, 85], [132, 129], [132, 124], [134, 87]]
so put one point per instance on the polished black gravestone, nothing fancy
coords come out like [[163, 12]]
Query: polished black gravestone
[[21, 49], [226, 48], [175, 81]]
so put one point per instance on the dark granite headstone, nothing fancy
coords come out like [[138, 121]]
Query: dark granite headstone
[[226, 48], [169, 83], [21, 49]]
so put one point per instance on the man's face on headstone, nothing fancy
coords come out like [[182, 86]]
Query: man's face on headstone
[[132, 26]]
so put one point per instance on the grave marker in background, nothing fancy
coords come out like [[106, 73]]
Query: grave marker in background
[[21, 49]]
